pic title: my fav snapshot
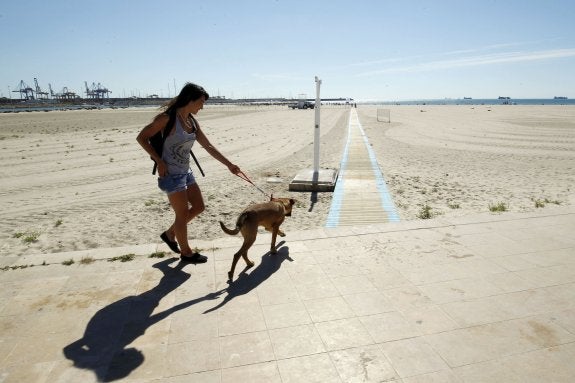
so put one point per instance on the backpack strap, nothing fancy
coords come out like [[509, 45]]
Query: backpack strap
[[168, 128]]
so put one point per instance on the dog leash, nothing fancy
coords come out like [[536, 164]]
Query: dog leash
[[243, 176]]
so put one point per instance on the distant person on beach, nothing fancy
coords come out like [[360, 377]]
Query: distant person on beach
[[175, 177]]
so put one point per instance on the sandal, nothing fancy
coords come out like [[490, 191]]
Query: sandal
[[194, 258], [173, 245]]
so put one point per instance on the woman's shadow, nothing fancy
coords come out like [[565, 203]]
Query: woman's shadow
[[103, 350]]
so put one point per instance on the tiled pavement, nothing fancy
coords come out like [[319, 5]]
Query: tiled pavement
[[486, 298]]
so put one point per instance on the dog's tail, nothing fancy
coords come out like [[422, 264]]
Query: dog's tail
[[228, 231]]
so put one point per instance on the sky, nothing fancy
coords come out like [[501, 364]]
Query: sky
[[363, 49]]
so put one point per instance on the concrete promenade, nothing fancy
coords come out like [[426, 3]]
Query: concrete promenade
[[483, 298]]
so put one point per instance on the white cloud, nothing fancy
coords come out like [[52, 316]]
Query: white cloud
[[490, 59]]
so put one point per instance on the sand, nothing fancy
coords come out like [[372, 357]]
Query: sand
[[75, 180], [460, 160]]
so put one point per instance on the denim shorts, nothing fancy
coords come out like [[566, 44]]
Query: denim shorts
[[172, 183]]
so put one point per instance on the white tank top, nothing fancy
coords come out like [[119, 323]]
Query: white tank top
[[176, 152]]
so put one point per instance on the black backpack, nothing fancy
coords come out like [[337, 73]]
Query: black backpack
[[158, 139]]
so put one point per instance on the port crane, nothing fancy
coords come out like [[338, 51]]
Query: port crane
[[65, 94], [26, 92], [97, 92], [39, 93]]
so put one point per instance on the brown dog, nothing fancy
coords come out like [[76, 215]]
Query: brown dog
[[270, 215]]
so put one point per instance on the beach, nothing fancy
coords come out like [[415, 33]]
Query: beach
[[460, 160], [75, 180]]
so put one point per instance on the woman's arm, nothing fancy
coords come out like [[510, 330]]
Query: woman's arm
[[211, 149]]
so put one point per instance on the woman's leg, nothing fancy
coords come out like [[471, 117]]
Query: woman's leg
[[179, 202], [196, 201], [193, 196]]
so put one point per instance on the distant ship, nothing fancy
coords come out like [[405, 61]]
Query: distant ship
[[467, 98], [560, 98], [506, 100]]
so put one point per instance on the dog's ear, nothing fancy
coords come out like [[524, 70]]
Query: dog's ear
[[291, 201]]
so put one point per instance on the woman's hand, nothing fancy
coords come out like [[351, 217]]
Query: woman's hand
[[162, 168]]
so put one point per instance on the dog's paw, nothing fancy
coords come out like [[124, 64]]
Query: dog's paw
[[250, 264], [281, 233], [273, 250], [230, 276]]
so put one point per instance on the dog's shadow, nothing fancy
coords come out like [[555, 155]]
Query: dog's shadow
[[270, 263], [103, 348]]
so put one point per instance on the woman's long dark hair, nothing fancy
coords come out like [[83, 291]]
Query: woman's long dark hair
[[190, 92]]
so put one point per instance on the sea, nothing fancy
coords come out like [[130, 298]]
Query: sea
[[479, 101]]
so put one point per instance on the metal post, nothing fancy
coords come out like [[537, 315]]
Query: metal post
[[316, 130]]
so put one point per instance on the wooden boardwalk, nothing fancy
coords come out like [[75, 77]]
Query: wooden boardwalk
[[360, 196]]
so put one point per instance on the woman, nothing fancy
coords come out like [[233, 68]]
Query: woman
[[175, 177]]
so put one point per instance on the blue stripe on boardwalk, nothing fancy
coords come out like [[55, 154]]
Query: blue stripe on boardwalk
[[337, 197]]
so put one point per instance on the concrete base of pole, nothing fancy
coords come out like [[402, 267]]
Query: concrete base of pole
[[308, 180]]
